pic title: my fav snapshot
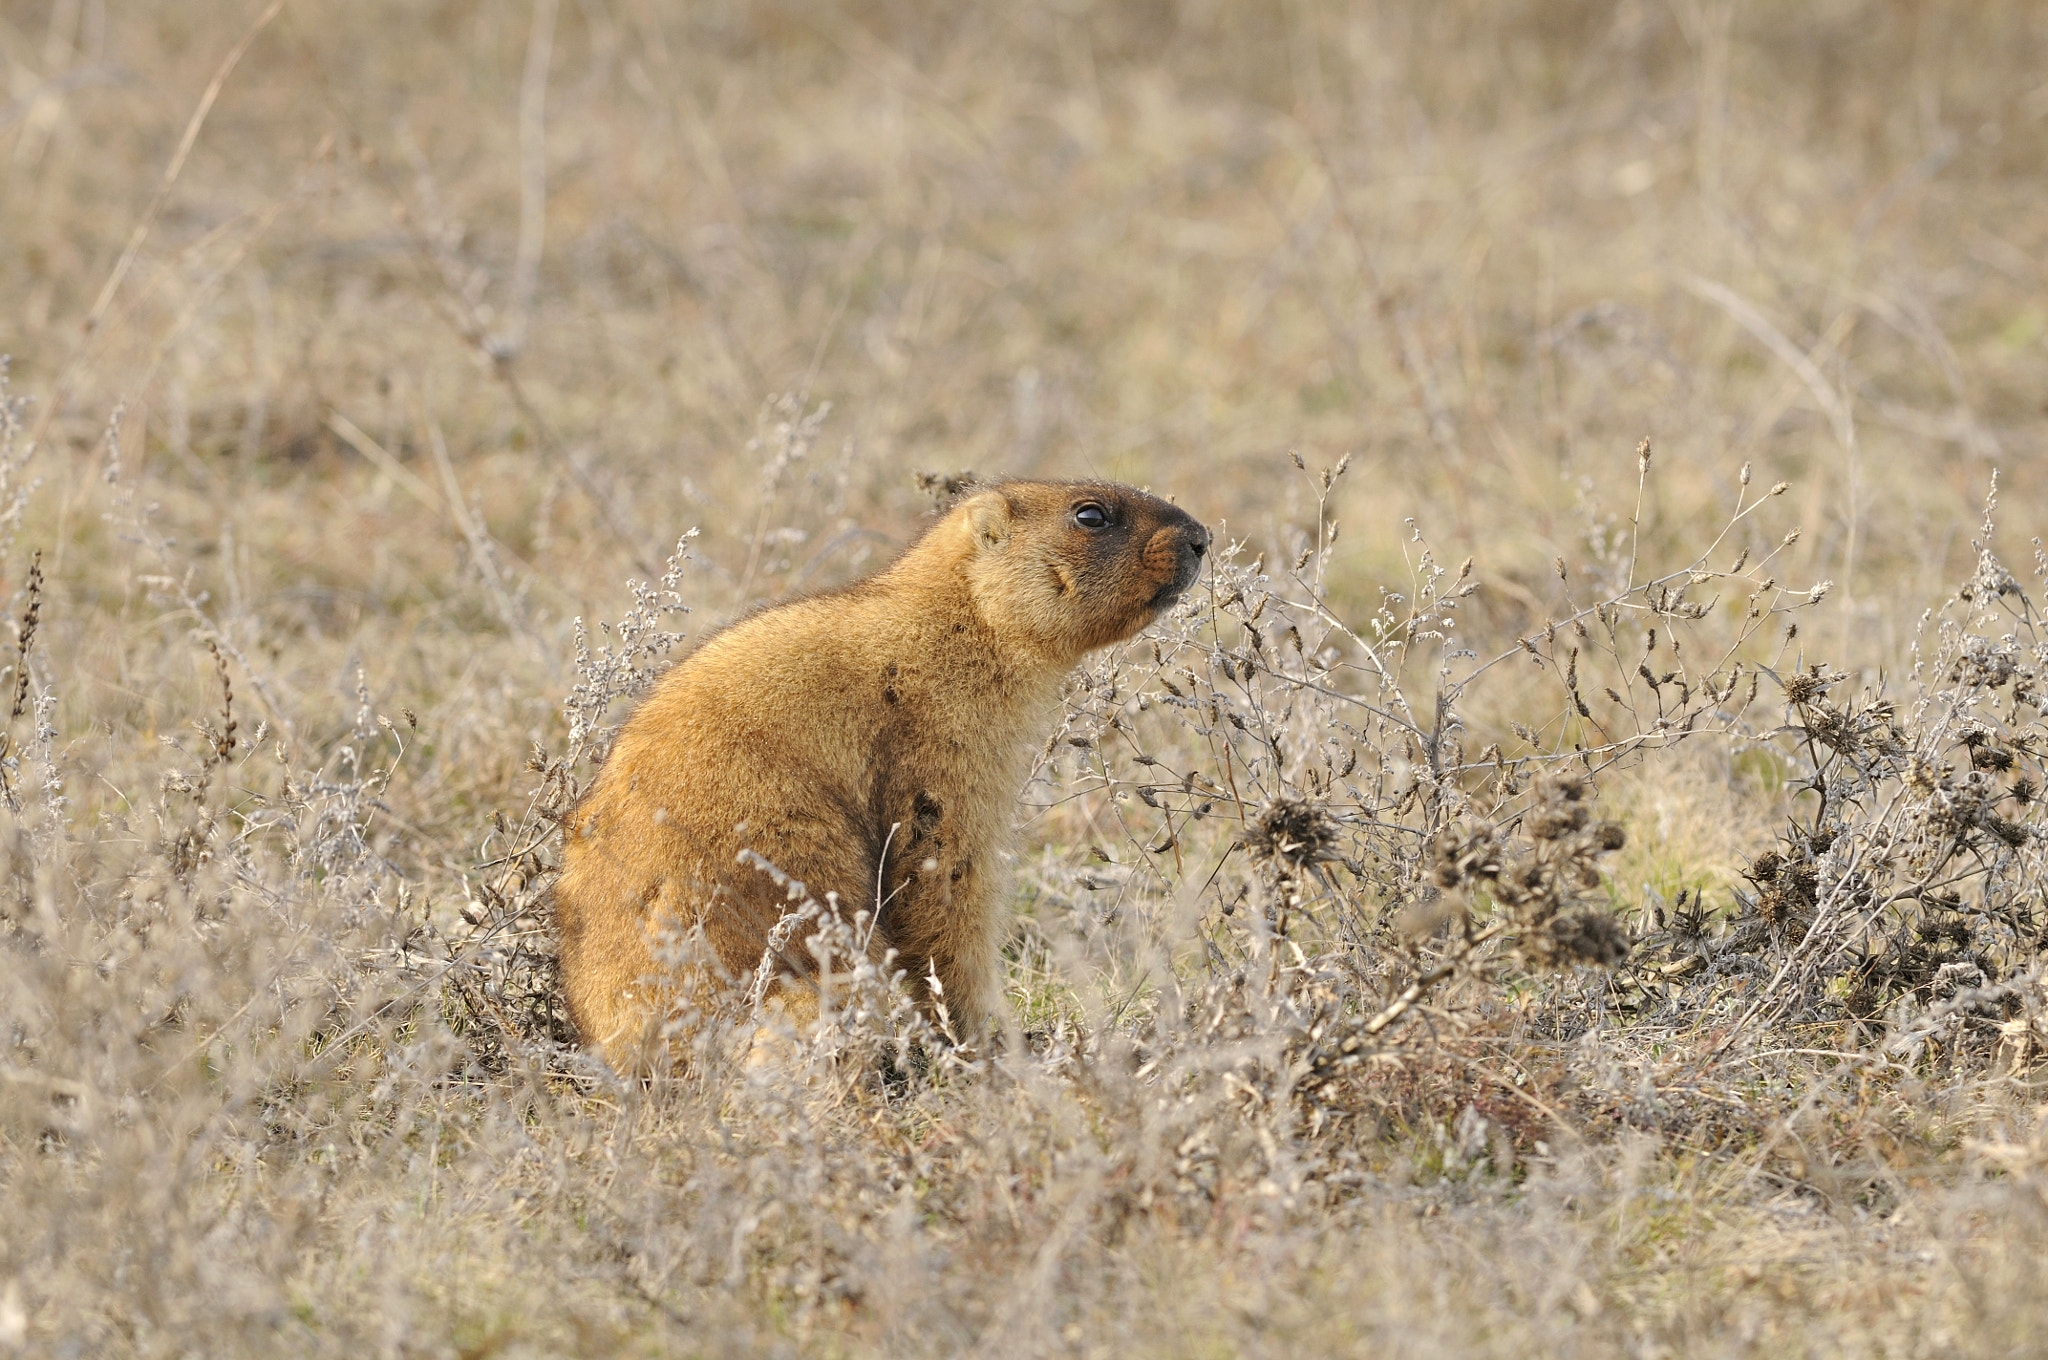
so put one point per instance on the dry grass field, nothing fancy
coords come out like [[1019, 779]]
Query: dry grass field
[[1545, 893]]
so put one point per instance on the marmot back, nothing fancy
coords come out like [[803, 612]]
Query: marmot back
[[869, 742]]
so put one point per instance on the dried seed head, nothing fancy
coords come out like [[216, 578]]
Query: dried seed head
[[1922, 777], [2012, 833], [1864, 1000], [1462, 851], [1581, 937], [1804, 689], [1292, 834], [1555, 821], [224, 740], [1991, 758], [1519, 884], [25, 635]]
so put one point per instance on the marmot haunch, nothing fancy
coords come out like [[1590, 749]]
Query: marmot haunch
[[869, 738]]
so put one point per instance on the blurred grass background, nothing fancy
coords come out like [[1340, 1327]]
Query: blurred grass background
[[1482, 249]]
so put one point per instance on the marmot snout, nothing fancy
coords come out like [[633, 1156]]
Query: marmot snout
[[869, 742]]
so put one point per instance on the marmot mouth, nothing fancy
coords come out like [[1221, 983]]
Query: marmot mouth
[[1169, 595]]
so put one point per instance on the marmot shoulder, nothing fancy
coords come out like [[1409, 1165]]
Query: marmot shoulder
[[869, 742]]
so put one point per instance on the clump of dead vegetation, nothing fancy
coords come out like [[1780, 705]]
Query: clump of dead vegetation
[[1318, 919], [1324, 948]]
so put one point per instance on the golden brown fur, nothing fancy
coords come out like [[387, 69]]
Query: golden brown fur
[[872, 737]]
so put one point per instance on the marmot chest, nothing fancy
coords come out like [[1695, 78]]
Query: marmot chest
[[966, 727]]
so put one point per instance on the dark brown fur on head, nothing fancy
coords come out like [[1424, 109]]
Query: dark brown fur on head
[[1066, 567]]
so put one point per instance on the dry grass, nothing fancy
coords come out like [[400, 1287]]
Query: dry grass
[[350, 376]]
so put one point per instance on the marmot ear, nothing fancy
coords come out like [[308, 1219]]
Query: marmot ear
[[988, 517]]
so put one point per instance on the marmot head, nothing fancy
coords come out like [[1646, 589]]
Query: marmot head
[[1065, 567]]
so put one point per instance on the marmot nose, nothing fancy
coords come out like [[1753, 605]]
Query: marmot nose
[[1187, 542]]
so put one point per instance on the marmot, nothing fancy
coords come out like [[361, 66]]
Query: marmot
[[867, 741]]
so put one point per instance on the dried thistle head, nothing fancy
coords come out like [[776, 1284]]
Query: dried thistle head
[[1804, 689], [1865, 998], [1525, 886], [1539, 884], [1555, 821], [1988, 757], [2012, 833], [1465, 851], [1946, 929], [1764, 867], [1562, 808], [1788, 882], [1777, 908], [1292, 834], [1583, 936]]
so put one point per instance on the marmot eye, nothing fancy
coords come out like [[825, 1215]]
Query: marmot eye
[[1091, 516]]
